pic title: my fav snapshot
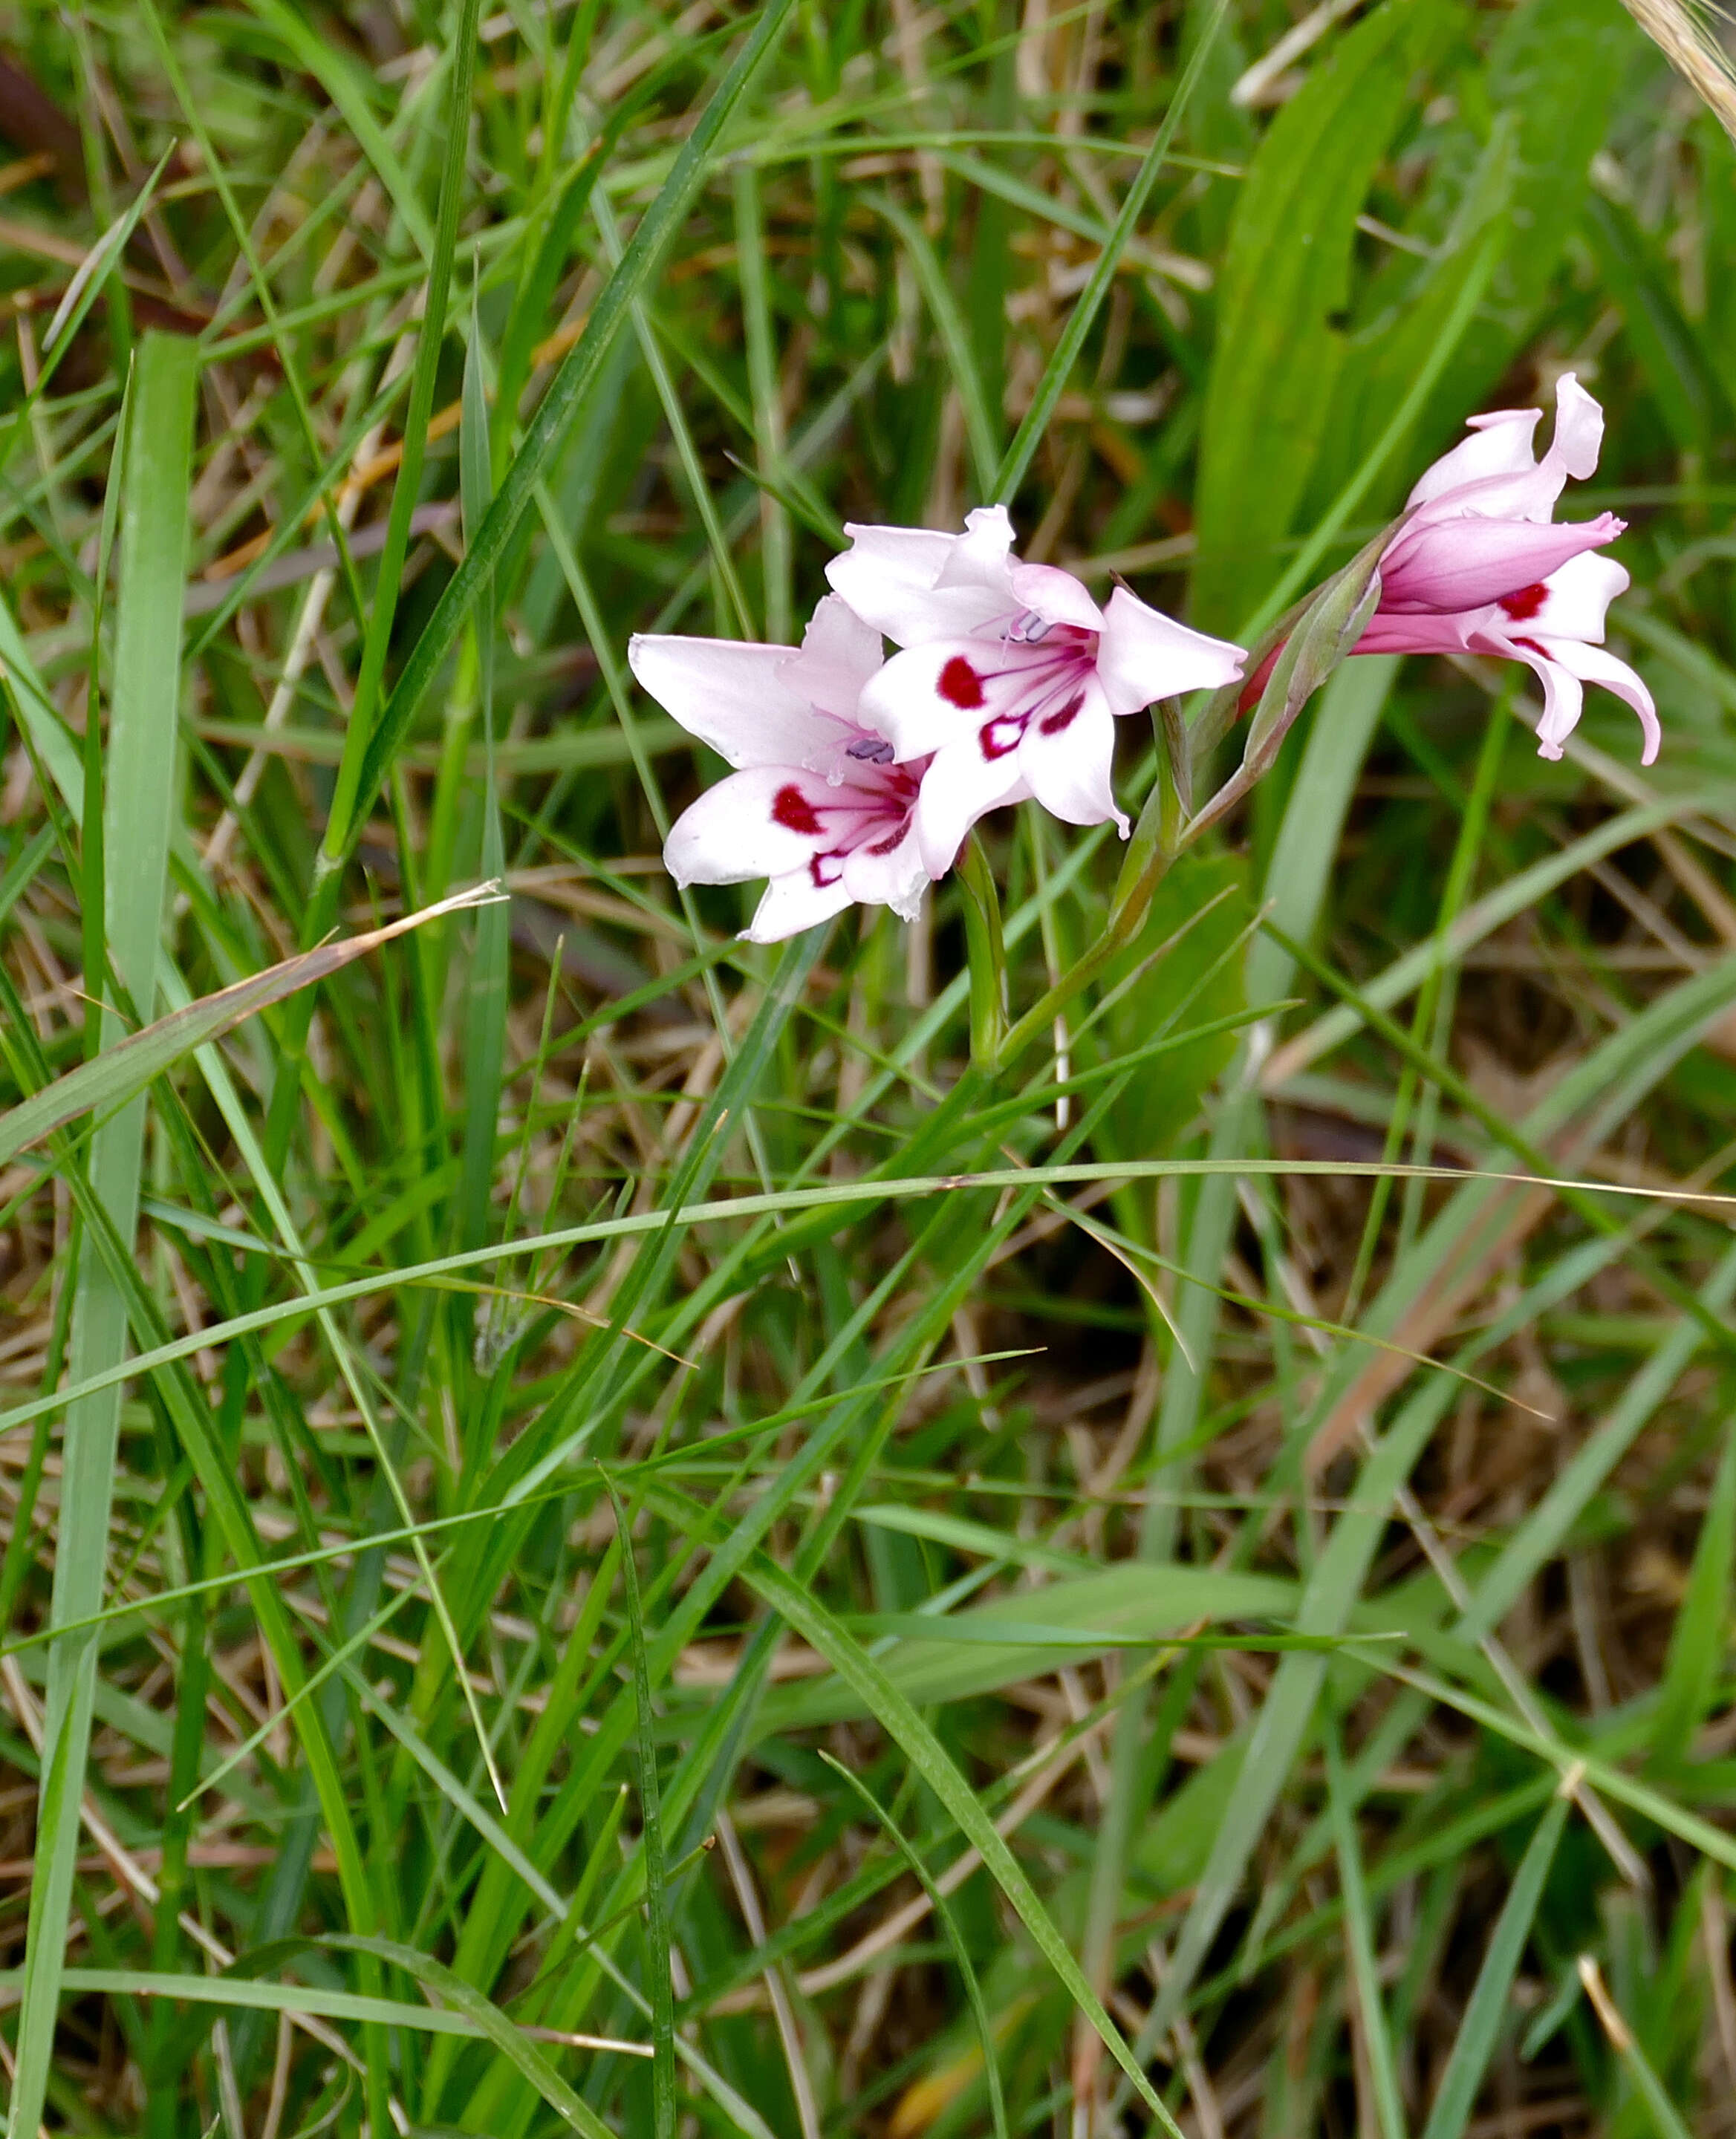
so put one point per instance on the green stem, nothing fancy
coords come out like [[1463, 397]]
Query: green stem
[[987, 953], [1156, 840]]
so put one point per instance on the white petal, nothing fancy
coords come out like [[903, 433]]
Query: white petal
[[1596, 665], [732, 695], [1071, 769], [1576, 595], [1499, 445], [747, 825], [958, 788], [895, 878], [1578, 437], [982, 556], [793, 902], [1563, 699], [934, 694], [1055, 595], [912, 584], [839, 653], [1144, 655]]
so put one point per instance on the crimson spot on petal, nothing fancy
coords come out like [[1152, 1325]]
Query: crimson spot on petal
[[960, 685], [998, 736], [1524, 605], [824, 870], [792, 809], [1064, 719]]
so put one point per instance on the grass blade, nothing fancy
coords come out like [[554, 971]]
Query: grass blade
[[900, 1721], [657, 1926], [141, 758], [1487, 2013], [546, 429], [123, 1070]]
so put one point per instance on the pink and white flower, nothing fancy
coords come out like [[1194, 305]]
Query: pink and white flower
[[1010, 675], [817, 803], [1479, 565]]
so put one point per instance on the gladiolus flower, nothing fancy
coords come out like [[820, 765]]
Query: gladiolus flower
[[1010, 674], [817, 803], [1479, 567]]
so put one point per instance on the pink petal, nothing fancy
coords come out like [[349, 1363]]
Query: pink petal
[[982, 556], [900, 579], [1452, 564], [960, 787], [1069, 768], [733, 696], [1144, 656], [761, 822], [793, 902], [1499, 445], [1493, 473], [1422, 632]]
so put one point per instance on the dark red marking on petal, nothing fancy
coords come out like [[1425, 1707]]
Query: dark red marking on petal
[[1531, 646], [1064, 719], [824, 870], [889, 846], [792, 809], [998, 736], [1524, 605], [960, 685]]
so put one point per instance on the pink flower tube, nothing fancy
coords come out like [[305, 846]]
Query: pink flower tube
[[1479, 567]]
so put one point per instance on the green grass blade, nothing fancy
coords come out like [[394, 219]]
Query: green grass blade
[[1698, 1641], [141, 757], [656, 1869], [347, 796], [896, 1715], [1059, 367], [548, 428], [125, 1068], [960, 1952], [1365, 1968], [1487, 2013], [343, 81], [489, 2020]]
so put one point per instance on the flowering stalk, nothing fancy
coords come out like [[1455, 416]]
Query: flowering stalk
[[1156, 842], [1303, 650], [986, 953]]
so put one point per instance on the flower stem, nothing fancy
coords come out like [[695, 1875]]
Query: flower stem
[[986, 949], [1156, 839]]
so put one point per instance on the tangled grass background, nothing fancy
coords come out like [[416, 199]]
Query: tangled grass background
[[1184, 1589]]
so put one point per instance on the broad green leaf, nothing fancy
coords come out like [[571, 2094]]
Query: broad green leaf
[[1286, 273]]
